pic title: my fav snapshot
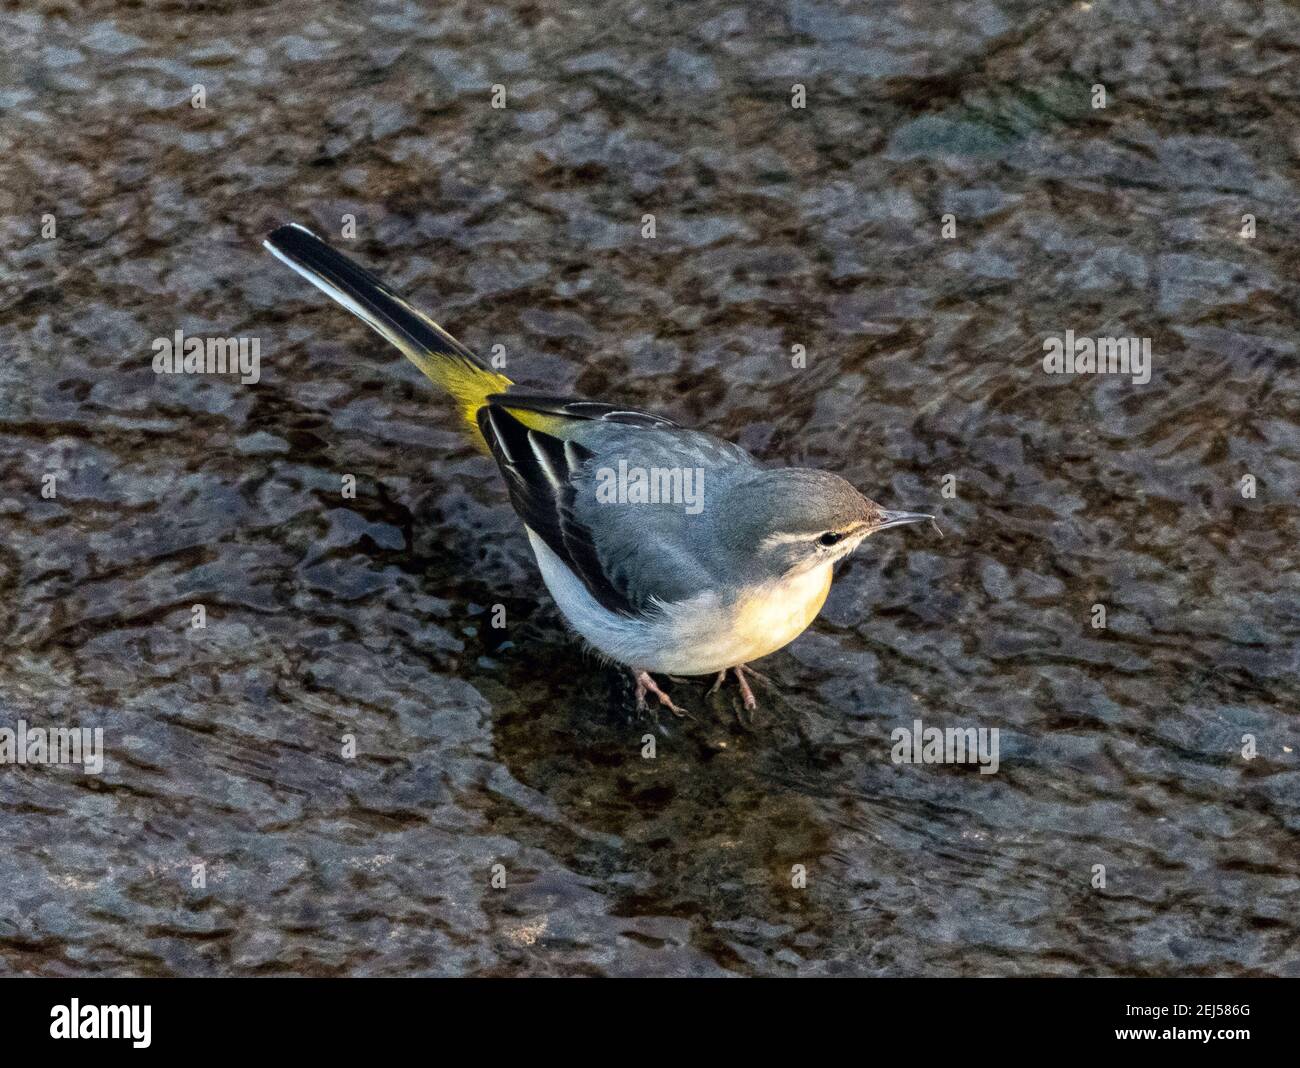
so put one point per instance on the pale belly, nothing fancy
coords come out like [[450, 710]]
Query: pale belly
[[708, 637], [697, 637]]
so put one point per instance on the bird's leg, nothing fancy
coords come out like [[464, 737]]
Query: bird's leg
[[756, 673], [747, 695], [645, 684]]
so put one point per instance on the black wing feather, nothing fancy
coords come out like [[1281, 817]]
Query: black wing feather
[[539, 470], [579, 409]]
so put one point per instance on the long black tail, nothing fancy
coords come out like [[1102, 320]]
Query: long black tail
[[443, 359]]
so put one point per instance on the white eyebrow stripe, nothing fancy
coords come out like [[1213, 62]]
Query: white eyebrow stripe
[[791, 539], [785, 539]]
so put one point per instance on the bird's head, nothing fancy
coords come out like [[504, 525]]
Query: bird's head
[[792, 520]]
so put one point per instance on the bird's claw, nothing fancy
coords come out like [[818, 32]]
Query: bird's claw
[[645, 684], [746, 694]]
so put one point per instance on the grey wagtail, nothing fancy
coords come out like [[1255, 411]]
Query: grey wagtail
[[653, 584]]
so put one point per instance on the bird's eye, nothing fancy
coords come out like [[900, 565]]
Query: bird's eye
[[830, 538]]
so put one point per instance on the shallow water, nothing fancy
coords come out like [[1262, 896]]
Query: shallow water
[[775, 227]]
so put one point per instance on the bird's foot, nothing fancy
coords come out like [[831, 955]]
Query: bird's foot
[[644, 685], [746, 694]]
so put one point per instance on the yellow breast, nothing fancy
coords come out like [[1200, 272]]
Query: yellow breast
[[775, 614]]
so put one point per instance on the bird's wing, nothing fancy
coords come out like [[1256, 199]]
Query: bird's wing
[[570, 409], [632, 557], [541, 472]]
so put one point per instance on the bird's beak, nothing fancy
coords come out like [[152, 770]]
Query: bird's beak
[[897, 519]]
